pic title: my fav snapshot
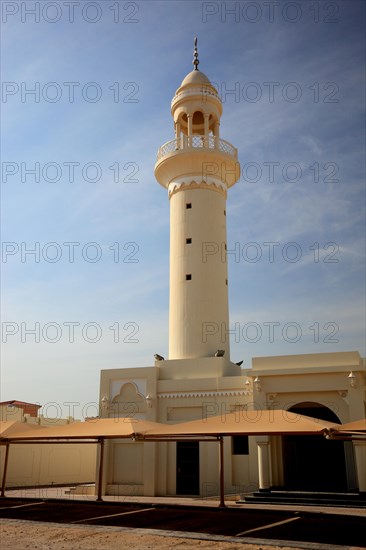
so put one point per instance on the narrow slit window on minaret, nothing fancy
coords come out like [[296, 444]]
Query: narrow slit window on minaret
[[224, 212], [188, 205], [188, 277], [189, 241]]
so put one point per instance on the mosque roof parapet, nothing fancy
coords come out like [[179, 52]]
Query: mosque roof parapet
[[190, 394]]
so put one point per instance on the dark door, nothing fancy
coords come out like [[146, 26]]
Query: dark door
[[188, 468], [312, 463]]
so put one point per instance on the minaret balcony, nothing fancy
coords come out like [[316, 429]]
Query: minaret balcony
[[197, 158], [185, 144]]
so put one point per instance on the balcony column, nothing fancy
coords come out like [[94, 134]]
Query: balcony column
[[177, 134], [206, 129], [217, 135], [190, 129]]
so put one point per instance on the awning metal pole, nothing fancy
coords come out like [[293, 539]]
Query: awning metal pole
[[100, 476], [5, 470], [222, 479]]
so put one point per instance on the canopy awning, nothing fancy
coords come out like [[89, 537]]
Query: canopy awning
[[351, 430], [12, 428], [99, 428], [355, 426], [243, 422], [239, 422], [93, 430]]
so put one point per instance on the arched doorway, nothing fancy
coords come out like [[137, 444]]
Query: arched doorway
[[313, 463]]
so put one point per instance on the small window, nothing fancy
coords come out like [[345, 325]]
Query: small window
[[188, 277], [188, 205], [240, 445], [226, 281], [224, 212], [189, 241]]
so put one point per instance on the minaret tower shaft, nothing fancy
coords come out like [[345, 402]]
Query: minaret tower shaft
[[197, 167]]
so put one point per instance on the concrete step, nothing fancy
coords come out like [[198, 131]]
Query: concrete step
[[347, 500]]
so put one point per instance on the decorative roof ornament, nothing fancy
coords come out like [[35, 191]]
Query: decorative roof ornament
[[195, 55]]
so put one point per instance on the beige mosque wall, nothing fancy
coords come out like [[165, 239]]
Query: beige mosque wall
[[322, 378], [151, 468], [336, 381]]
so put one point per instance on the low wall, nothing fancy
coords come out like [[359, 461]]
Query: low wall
[[35, 464]]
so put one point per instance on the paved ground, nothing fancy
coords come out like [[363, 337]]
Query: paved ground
[[18, 535], [284, 525], [64, 493]]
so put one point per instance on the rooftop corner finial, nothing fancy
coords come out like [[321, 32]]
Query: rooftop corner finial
[[195, 55]]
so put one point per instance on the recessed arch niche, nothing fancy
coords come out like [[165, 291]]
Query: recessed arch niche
[[129, 402]]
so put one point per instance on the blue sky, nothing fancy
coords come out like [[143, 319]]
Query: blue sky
[[292, 83]]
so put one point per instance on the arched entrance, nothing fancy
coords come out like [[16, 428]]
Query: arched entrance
[[313, 463]]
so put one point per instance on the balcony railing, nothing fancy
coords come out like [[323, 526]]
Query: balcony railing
[[197, 142]]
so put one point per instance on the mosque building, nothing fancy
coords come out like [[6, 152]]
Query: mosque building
[[197, 168]]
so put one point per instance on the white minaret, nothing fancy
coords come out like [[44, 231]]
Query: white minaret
[[197, 168]]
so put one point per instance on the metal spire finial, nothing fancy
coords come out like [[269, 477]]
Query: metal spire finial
[[195, 55]]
